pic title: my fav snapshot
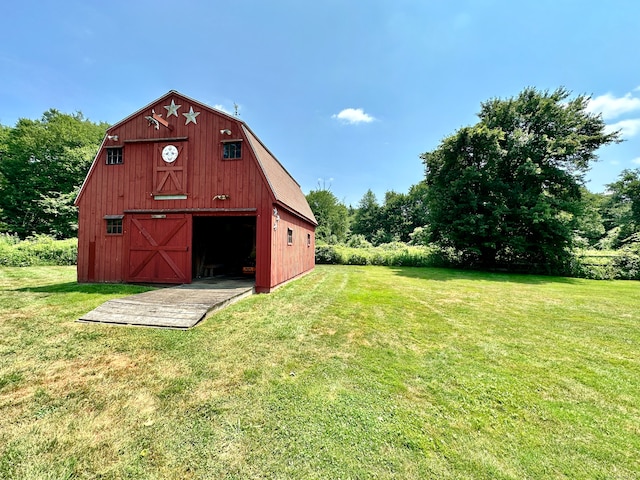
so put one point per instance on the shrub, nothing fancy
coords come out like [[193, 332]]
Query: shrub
[[358, 241], [626, 265], [419, 236], [622, 264], [328, 254], [37, 250], [357, 258], [388, 254]]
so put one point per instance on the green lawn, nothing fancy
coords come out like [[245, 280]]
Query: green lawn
[[347, 373]]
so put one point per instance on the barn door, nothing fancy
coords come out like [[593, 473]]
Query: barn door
[[158, 250]]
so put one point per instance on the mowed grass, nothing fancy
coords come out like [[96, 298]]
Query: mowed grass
[[349, 372]]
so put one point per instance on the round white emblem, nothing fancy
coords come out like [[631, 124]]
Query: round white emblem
[[169, 153]]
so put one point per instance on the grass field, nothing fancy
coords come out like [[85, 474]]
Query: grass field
[[347, 373]]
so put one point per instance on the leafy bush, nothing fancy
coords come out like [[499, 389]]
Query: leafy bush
[[357, 258], [621, 264], [37, 250], [328, 254], [388, 254], [358, 241], [419, 236], [626, 265]]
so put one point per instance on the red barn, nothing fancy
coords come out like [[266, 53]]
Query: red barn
[[180, 191]]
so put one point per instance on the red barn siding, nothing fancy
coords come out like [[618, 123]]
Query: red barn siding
[[290, 260], [128, 189]]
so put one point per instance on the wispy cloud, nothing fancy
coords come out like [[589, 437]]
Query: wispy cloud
[[353, 116], [636, 161], [231, 110], [628, 128], [218, 106], [612, 107]]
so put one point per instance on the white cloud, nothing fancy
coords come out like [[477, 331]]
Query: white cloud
[[228, 110], [628, 128], [353, 116], [636, 161], [222, 108], [613, 107]]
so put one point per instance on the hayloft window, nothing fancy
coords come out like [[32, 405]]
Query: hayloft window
[[114, 156], [232, 150], [289, 236], [114, 224]]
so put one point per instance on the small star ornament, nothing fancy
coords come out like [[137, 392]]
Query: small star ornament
[[172, 109], [191, 116]]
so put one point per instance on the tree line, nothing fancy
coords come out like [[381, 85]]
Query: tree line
[[508, 192], [505, 192]]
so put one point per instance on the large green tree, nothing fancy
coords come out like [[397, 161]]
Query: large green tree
[[507, 191], [331, 214], [367, 219], [42, 164]]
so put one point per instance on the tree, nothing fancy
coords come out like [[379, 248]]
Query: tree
[[417, 205], [590, 224], [402, 213], [42, 163], [507, 191], [366, 220], [332, 216], [622, 211], [393, 218]]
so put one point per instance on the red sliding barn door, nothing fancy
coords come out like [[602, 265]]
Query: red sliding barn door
[[159, 248]]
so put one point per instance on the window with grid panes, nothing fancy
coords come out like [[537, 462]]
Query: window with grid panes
[[232, 150], [114, 156], [114, 226]]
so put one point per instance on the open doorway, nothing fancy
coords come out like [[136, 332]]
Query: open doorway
[[224, 246]]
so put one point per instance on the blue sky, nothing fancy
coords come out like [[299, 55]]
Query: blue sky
[[345, 93]]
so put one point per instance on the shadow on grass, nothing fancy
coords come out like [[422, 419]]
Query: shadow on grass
[[89, 288], [447, 274]]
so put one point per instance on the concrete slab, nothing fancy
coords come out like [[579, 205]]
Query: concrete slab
[[173, 307]]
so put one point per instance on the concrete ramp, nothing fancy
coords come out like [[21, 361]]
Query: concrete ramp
[[174, 307]]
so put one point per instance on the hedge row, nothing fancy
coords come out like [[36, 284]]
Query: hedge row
[[40, 250], [623, 264], [390, 254]]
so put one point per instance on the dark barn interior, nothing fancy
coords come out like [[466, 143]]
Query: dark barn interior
[[224, 246]]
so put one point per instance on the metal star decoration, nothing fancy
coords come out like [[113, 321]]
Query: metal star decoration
[[172, 109], [191, 116]]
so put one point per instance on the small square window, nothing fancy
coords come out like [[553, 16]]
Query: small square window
[[232, 150], [114, 226], [114, 156], [289, 236]]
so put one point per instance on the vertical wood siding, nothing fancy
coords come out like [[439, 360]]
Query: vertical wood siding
[[290, 260]]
